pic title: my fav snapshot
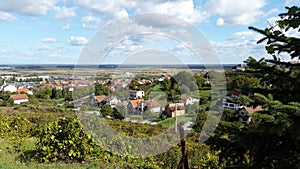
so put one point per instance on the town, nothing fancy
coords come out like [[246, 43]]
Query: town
[[145, 98]]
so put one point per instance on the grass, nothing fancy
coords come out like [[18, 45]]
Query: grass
[[11, 157], [17, 165], [183, 118]]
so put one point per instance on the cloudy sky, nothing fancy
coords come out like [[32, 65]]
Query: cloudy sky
[[57, 31]]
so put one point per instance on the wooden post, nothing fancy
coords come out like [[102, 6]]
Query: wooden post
[[183, 164]]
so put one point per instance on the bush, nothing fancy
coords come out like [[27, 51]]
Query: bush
[[63, 140]]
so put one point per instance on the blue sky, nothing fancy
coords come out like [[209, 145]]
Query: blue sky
[[56, 31]]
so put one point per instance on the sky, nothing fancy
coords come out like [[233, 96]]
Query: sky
[[59, 31]]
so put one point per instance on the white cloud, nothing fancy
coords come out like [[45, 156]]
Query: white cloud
[[272, 21], [292, 3], [121, 14], [77, 41], [65, 27], [238, 51], [220, 22], [291, 32], [49, 40], [239, 46], [185, 9], [28, 7], [242, 35], [236, 12], [271, 12], [43, 48], [106, 6], [91, 22], [4, 16], [64, 12]]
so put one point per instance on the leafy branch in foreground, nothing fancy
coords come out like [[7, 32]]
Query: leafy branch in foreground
[[277, 37]]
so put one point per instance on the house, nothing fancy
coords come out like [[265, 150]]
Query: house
[[111, 101], [136, 94], [24, 90], [98, 100], [120, 85], [175, 109], [161, 78], [153, 106], [58, 87], [245, 111], [7, 77], [188, 100], [8, 88], [111, 89], [19, 98], [136, 106], [230, 103], [238, 68]]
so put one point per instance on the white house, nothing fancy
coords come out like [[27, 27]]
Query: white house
[[19, 98], [136, 94], [230, 103], [238, 68], [153, 106], [162, 78], [111, 101], [188, 100], [8, 88]]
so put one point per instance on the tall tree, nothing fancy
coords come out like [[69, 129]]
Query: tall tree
[[283, 77], [277, 37]]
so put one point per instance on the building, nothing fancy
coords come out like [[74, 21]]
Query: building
[[153, 106], [136, 106], [8, 88], [24, 90], [136, 94], [161, 78], [19, 98], [175, 109], [111, 101], [245, 111], [98, 100], [188, 100], [238, 68], [230, 103]]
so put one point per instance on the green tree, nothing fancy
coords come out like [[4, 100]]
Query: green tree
[[273, 138], [283, 77], [117, 115], [106, 110], [101, 90], [43, 92], [277, 37]]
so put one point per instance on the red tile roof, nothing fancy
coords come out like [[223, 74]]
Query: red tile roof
[[18, 96], [25, 90], [135, 103], [100, 98], [172, 107], [252, 109]]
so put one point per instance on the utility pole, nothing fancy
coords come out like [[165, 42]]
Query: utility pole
[[183, 164], [175, 118]]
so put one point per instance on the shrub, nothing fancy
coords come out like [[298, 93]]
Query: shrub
[[63, 140]]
